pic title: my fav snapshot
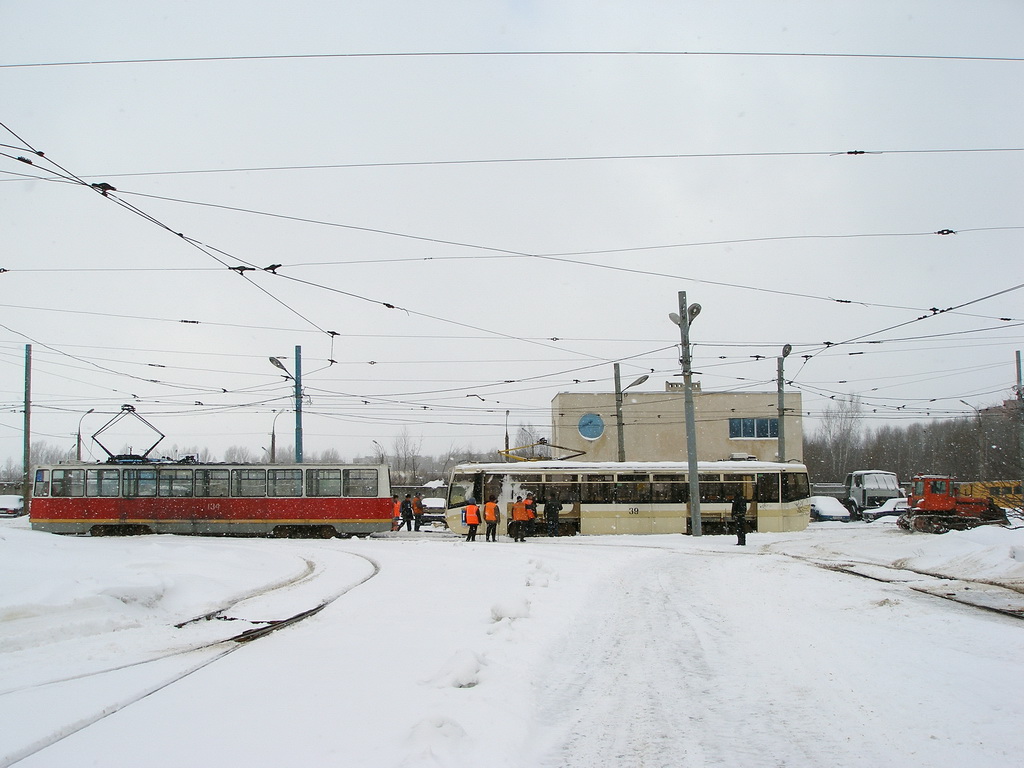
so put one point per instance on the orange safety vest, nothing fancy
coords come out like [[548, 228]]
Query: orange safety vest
[[520, 511], [491, 511], [530, 511], [398, 509], [472, 514]]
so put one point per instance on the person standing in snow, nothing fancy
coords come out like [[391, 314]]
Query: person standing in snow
[[472, 518], [739, 518], [552, 507], [417, 511], [491, 517], [520, 515], [531, 513], [396, 513], [406, 513]]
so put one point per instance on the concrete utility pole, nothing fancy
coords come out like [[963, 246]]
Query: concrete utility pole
[[686, 315], [782, 403], [1020, 426], [26, 477], [618, 408]]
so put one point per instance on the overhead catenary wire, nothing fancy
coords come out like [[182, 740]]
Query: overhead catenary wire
[[519, 53]]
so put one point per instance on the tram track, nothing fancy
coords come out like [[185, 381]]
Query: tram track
[[207, 651], [985, 595]]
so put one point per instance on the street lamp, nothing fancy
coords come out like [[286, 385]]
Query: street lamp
[[273, 437], [619, 389], [782, 403], [982, 442], [78, 443], [297, 378], [687, 314]]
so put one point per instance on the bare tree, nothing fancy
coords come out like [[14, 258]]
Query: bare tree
[[839, 433], [406, 458], [238, 454]]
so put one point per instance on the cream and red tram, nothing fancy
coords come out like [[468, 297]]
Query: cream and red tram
[[211, 499], [639, 497]]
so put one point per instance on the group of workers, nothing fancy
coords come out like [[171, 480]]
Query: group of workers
[[407, 512], [522, 522]]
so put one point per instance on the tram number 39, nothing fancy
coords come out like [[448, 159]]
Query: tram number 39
[[634, 510]]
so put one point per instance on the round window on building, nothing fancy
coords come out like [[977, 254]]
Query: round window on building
[[591, 426]]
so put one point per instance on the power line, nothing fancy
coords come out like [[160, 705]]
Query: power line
[[497, 54], [552, 159]]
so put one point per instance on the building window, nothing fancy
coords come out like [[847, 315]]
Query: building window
[[753, 428]]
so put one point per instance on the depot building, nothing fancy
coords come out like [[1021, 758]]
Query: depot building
[[729, 425]]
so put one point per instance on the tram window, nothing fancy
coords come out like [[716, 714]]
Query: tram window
[[139, 482], [675, 491], [324, 482], [284, 483], [174, 483], [248, 482], [633, 489], [68, 483], [795, 486], [768, 488], [42, 484], [711, 488], [531, 480], [462, 487], [737, 485], [491, 487], [562, 491], [361, 482], [598, 489], [213, 482], [103, 482]]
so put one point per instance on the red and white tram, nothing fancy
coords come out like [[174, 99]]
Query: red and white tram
[[211, 499]]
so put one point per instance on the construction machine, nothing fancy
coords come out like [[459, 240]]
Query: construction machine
[[936, 506]]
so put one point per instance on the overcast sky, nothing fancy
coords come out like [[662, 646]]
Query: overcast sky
[[503, 219]]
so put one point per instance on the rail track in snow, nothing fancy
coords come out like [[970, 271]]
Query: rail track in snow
[[260, 612]]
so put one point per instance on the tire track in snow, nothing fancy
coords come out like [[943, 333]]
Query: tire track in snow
[[655, 674], [194, 658]]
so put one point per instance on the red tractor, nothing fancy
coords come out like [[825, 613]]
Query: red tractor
[[936, 506]]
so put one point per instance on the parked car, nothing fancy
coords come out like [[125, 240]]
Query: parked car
[[433, 513], [11, 506], [891, 507], [828, 508]]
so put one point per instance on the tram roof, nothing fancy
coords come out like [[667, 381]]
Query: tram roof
[[535, 467]]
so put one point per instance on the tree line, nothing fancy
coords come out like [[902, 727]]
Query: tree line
[[985, 446]]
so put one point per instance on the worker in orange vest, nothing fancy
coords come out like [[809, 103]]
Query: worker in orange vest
[[531, 513], [520, 516], [396, 513], [472, 518], [492, 517]]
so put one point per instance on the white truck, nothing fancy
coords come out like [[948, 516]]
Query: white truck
[[869, 488]]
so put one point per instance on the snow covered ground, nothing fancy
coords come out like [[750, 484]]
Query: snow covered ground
[[591, 651]]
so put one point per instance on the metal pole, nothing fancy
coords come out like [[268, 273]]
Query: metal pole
[[691, 428], [26, 483], [298, 405], [782, 403], [618, 413], [1020, 428], [78, 444]]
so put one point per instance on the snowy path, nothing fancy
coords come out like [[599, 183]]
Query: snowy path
[[600, 652], [744, 660]]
